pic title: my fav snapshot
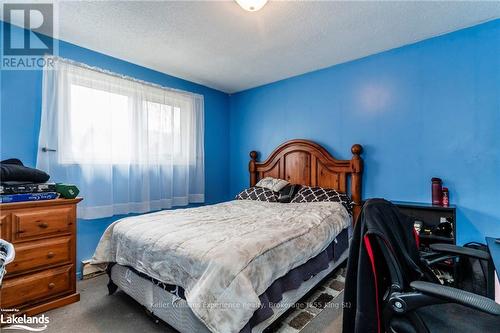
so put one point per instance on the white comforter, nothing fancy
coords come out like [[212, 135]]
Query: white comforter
[[223, 255]]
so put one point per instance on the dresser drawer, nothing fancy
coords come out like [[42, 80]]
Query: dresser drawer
[[41, 222], [40, 254], [32, 288], [4, 225]]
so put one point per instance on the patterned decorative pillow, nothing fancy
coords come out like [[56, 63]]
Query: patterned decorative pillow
[[287, 193], [271, 183], [319, 194], [257, 193]]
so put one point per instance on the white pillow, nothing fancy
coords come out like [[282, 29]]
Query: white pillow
[[273, 184]]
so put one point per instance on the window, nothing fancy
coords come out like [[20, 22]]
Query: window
[[107, 118], [87, 108], [141, 142]]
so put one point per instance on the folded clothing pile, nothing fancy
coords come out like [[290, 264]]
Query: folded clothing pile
[[21, 183]]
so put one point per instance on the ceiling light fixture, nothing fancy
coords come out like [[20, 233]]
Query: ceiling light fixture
[[251, 5]]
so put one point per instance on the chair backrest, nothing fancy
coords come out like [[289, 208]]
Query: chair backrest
[[390, 264], [392, 235], [391, 244], [384, 257]]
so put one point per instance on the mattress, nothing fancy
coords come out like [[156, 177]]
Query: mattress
[[274, 294], [176, 312], [224, 256]]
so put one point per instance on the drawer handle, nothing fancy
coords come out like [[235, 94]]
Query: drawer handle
[[43, 225], [52, 285], [20, 231], [50, 255]]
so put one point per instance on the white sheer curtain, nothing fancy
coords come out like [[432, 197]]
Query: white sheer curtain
[[129, 146]]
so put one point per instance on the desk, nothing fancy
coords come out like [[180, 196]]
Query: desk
[[495, 255], [431, 216]]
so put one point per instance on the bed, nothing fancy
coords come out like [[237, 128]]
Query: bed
[[237, 266]]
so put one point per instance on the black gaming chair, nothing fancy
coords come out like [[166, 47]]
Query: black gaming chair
[[406, 305]]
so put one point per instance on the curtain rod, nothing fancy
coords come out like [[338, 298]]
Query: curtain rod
[[121, 76]]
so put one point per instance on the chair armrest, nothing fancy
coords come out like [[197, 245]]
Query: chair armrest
[[460, 250], [431, 259], [453, 295]]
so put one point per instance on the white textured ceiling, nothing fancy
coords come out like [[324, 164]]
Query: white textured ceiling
[[217, 44]]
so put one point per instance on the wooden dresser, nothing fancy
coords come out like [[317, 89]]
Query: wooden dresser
[[43, 274]]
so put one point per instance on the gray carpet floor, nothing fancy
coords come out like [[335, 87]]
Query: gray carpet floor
[[328, 321], [99, 313]]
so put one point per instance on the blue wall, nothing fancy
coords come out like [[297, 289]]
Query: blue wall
[[423, 110], [20, 124]]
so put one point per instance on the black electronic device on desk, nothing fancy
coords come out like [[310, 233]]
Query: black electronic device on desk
[[435, 224]]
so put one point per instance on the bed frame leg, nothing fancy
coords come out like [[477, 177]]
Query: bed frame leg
[[112, 287]]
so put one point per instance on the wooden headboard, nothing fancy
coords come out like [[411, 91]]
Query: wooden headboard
[[307, 163]]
